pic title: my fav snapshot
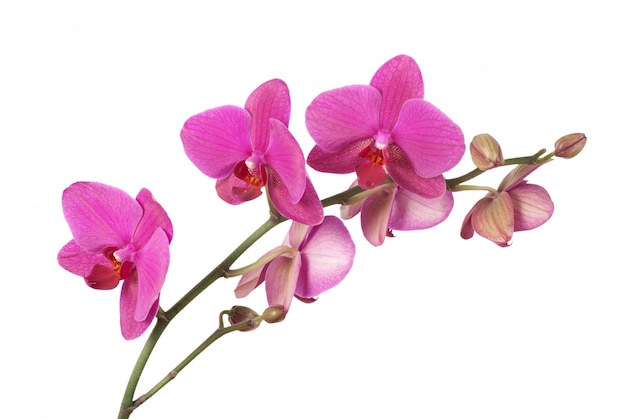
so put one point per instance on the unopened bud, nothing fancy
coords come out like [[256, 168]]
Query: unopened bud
[[569, 145], [274, 314], [486, 152], [239, 314]]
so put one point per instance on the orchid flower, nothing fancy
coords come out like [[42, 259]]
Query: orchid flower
[[118, 238], [388, 207], [311, 260], [385, 128], [249, 148], [515, 206]]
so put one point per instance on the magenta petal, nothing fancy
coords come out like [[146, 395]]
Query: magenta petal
[[413, 212], [77, 260], [285, 157], [402, 173], [342, 116], [375, 214], [430, 140], [100, 215], [216, 139], [152, 262], [398, 80], [280, 280], [327, 256], [340, 161], [154, 216], [532, 206], [102, 277], [236, 191], [269, 100], [308, 210], [131, 327]]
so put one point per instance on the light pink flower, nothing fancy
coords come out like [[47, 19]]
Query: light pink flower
[[385, 128], [311, 260], [388, 207], [115, 238], [517, 206], [250, 148]]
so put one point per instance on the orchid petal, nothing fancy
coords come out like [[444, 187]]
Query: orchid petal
[[269, 100], [249, 281], [467, 231], [341, 161], [402, 173], [342, 116], [151, 262], [493, 219], [131, 327], [298, 233], [236, 191], [398, 80], [280, 280], [100, 215], [413, 212], [308, 210], [516, 176], [154, 217], [77, 260], [216, 139], [430, 140], [285, 157], [375, 214], [327, 256], [532, 206]]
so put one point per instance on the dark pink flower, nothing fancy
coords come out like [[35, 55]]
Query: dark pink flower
[[517, 206], [115, 238], [311, 260], [388, 207], [385, 128], [251, 148]]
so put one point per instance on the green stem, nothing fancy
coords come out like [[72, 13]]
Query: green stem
[[534, 159], [174, 372], [164, 318]]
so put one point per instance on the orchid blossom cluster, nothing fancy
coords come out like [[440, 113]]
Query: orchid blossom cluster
[[397, 144]]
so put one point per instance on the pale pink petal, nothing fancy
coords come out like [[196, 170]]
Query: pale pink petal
[[216, 139], [467, 231], [308, 210], [251, 280], [269, 100], [430, 140], [516, 176], [493, 219], [154, 216], [100, 215], [375, 214], [285, 157], [398, 80], [342, 116], [280, 280], [132, 328], [327, 256], [341, 161], [151, 262], [401, 171], [77, 260], [532, 206], [236, 191], [298, 233], [413, 212]]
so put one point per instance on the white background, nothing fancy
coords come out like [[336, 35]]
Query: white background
[[428, 325]]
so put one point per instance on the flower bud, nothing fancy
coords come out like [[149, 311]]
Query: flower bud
[[274, 314], [569, 145], [240, 314], [486, 152]]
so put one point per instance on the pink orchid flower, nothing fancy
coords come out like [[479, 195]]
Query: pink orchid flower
[[250, 148], [388, 207], [517, 206], [115, 238], [311, 260], [385, 128]]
